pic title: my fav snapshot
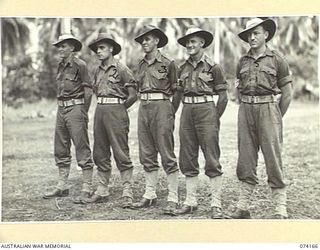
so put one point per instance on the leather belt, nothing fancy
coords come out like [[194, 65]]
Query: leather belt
[[70, 102], [259, 99], [109, 100], [153, 96], [198, 99]]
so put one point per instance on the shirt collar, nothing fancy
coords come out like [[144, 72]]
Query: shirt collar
[[106, 67], [267, 52], [68, 62], [203, 59], [157, 58]]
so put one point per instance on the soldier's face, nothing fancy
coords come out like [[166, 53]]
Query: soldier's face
[[149, 43], [257, 37], [65, 49], [104, 51], [194, 45]]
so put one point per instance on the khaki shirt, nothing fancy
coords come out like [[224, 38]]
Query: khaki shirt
[[263, 76], [72, 77], [158, 76], [113, 80], [204, 78]]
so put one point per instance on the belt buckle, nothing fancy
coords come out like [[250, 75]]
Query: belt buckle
[[147, 96], [254, 99]]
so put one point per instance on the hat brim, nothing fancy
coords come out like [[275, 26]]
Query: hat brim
[[163, 39], [207, 36], [116, 47], [269, 25], [76, 43]]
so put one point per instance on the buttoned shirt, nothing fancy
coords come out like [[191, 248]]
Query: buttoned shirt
[[265, 75], [160, 75], [201, 78], [72, 77], [113, 80]]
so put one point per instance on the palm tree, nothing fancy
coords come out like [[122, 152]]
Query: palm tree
[[14, 36]]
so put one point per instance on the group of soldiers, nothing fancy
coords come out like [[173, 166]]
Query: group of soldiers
[[262, 75]]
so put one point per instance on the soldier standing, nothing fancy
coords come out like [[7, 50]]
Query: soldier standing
[[200, 79], [115, 88], [262, 74], [157, 78], [74, 98]]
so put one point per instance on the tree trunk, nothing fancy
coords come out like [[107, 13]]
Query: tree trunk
[[66, 26], [217, 41]]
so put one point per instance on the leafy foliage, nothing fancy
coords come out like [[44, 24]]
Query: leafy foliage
[[296, 38]]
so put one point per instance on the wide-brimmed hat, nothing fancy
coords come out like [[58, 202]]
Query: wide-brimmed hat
[[195, 31], [104, 37], [268, 24], [69, 37], [151, 29]]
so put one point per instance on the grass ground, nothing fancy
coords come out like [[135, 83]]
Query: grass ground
[[28, 170]]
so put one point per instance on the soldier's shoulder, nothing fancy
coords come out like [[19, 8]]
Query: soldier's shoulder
[[121, 66], [209, 61], [182, 65], [167, 58], [280, 58], [277, 53], [242, 57], [79, 62]]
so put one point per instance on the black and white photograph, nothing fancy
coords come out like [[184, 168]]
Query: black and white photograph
[[160, 118]]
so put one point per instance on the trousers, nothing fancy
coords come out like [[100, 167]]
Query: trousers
[[199, 127], [155, 133], [72, 125], [111, 128], [260, 126]]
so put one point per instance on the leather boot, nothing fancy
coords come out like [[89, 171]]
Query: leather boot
[[61, 189], [172, 201], [86, 190], [150, 196], [87, 180], [102, 192], [127, 196], [242, 211], [190, 204]]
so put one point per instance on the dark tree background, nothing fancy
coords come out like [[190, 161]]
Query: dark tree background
[[29, 75]]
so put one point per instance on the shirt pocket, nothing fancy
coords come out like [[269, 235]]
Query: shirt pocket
[[183, 79], [71, 81], [244, 73], [159, 80], [140, 79], [205, 77], [116, 86], [268, 76], [205, 82]]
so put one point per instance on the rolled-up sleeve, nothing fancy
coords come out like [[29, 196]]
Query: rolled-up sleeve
[[284, 74], [173, 75], [128, 78], [220, 82], [84, 75]]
